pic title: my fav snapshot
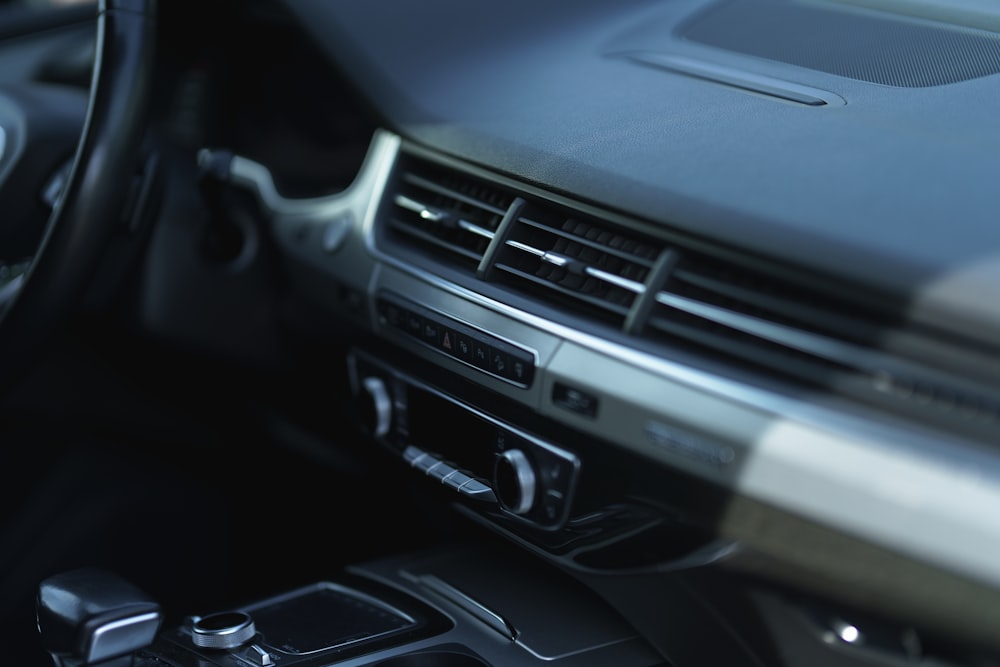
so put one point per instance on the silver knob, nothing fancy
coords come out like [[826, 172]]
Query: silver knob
[[225, 630], [381, 406], [514, 481]]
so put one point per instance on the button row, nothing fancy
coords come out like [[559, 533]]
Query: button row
[[447, 474], [458, 341]]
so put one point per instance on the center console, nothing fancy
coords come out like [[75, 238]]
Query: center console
[[456, 606]]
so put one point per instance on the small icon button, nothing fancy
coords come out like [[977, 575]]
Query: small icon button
[[463, 347], [500, 363], [481, 354], [431, 331], [414, 324]]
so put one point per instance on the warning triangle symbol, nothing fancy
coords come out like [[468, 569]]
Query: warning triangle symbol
[[446, 343]]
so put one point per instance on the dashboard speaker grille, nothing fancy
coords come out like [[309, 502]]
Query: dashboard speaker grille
[[879, 48]]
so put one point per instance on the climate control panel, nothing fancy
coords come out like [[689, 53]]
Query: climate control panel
[[455, 444]]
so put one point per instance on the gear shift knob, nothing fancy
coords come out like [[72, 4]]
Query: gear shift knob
[[90, 616]]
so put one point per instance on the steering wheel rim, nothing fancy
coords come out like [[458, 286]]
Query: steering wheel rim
[[90, 207]]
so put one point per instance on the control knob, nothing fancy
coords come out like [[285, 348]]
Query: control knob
[[224, 630], [514, 481], [376, 407]]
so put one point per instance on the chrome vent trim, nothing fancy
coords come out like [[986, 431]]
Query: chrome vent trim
[[448, 214], [754, 294], [566, 260], [810, 336], [736, 310], [581, 263], [850, 369]]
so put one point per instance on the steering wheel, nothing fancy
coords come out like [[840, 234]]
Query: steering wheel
[[94, 191]]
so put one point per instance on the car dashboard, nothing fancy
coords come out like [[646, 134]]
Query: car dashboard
[[691, 301]]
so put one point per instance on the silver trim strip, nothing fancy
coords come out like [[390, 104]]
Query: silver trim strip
[[624, 283], [883, 371], [554, 259], [557, 259], [454, 194], [476, 229], [468, 604], [737, 78], [818, 345], [423, 211], [435, 215], [257, 178]]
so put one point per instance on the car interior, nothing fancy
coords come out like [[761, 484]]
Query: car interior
[[612, 333]]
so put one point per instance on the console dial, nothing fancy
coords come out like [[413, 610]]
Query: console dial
[[225, 630], [514, 481]]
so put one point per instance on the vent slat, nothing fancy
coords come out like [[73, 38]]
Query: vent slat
[[768, 298], [446, 214], [587, 262], [800, 341], [700, 333], [434, 240], [457, 195], [573, 289], [578, 267], [605, 242], [871, 374], [441, 218]]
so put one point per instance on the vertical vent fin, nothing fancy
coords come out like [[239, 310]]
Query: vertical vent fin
[[579, 263]]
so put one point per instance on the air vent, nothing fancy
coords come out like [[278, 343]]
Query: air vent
[[448, 214], [581, 263], [561, 262], [763, 320], [754, 294], [759, 320]]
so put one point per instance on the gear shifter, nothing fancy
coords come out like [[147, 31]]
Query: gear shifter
[[93, 617]]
